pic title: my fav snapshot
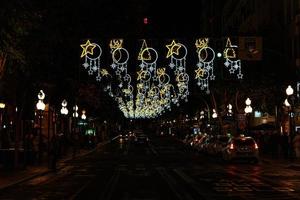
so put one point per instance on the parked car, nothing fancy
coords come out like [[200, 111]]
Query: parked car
[[241, 148]]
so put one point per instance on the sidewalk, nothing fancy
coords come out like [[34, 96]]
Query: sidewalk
[[11, 177], [284, 162]]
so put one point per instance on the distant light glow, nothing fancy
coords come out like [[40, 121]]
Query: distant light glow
[[146, 20], [2, 105]]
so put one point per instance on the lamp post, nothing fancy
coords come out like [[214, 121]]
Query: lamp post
[[229, 112], [64, 111], [248, 109], [83, 116], [75, 137], [40, 107], [290, 103], [2, 106]]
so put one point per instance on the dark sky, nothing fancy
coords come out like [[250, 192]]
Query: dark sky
[[65, 24]]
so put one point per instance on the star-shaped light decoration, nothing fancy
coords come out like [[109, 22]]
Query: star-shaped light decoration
[[240, 76], [141, 75], [173, 48], [85, 65], [104, 72], [87, 48], [126, 77], [161, 71], [199, 73]]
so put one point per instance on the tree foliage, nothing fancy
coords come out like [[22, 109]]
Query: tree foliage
[[17, 19]]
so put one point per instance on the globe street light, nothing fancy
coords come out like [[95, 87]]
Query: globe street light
[[214, 115], [248, 109], [83, 116], [64, 111], [74, 133], [2, 106], [40, 107], [229, 113], [290, 103]]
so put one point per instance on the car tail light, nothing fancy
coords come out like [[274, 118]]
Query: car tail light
[[255, 146], [231, 147]]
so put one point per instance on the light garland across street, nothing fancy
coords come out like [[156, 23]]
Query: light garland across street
[[154, 89]]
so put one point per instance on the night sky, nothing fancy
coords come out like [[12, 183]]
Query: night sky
[[53, 44]]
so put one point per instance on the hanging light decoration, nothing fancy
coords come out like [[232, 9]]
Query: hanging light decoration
[[91, 52], [178, 64], [231, 62], [205, 67], [153, 92]]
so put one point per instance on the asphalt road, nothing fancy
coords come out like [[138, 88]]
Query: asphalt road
[[164, 169]]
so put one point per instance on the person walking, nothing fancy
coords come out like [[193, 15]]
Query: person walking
[[296, 144]]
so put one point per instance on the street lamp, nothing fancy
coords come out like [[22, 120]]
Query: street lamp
[[64, 111], [214, 115], [2, 106], [248, 109], [40, 107], [291, 104], [229, 113], [83, 116], [74, 135]]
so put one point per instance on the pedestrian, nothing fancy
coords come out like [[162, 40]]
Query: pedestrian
[[296, 144]]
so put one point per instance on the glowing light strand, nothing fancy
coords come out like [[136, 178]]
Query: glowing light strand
[[178, 63], [205, 66], [231, 62], [92, 53]]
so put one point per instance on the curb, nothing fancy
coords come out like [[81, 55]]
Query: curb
[[46, 171]]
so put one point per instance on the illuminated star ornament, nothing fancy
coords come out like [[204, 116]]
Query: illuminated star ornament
[[91, 52], [177, 53], [231, 62], [205, 66]]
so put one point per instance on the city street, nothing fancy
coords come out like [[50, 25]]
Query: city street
[[164, 169]]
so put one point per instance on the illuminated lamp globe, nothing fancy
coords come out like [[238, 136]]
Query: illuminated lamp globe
[[2, 105], [40, 105], [289, 90], [64, 103], [286, 103], [248, 102], [214, 115], [41, 95], [83, 116]]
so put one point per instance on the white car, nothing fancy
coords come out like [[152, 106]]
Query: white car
[[244, 148]]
